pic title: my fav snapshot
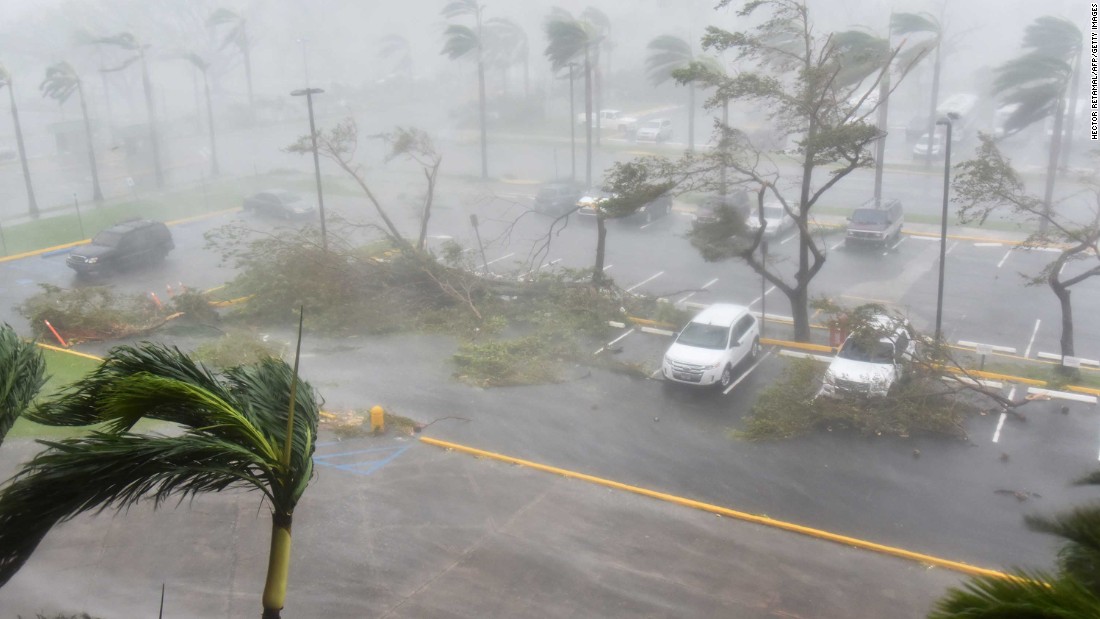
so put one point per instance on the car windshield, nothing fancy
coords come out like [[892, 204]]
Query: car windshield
[[652, 124], [773, 212], [109, 238], [285, 197], [867, 349], [867, 216], [701, 335]]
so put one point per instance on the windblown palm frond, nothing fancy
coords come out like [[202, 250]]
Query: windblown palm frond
[[459, 41], [597, 18], [667, 54], [911, 23], [236, 34], [456, 8], [505, 41], [858, 55], [60, 83], [1054, 36], [1028, 596], [22, 374], [1079, 558], [567, 41], [1035, 83], [125, 40], [395, 45]]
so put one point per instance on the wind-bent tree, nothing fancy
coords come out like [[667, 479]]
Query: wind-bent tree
[[600, 24], [461, 41], [60, 83], [5, 80], [235, 34], [804, 79], [129, 42], [571, 38], [397, 47], [506, 45], [253, 427], [202, 66], [903, 24], [988, 184], [667, 53], [1072, 591], [1037, 84], [22, 374]]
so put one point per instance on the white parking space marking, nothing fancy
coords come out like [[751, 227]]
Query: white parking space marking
[[607, 267], [549, 264], [791, 237], [612, 342], [646, 281], [975, 345], [692, 294], [766, 293], [1027, 351], [953, 245], [1056, 357], [1002, 262], [837, 244], [988, 244], [1063, 395], [895, 246], [501, 258], [746, 373], [1004, 415]]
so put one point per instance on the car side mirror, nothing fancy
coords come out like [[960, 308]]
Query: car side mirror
[[847, 219]]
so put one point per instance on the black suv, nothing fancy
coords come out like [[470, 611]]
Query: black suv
[[556, 199], [124, 244], [875, 224], [710, 210]]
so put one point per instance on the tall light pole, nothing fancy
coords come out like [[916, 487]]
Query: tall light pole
[[945, 121], [308, 93], [572, 129]]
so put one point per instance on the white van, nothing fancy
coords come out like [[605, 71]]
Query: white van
[[712, 345], [871, 361]]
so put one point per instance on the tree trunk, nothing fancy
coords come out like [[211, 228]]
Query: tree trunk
[[881, 124], [599, 92], [97, 193], [481, 115], [426, 214], [1063, 294], [154, 138], [1052, 164], [32, 204], [601, 245], [527, 78], [248, 75], [1067, 143], [799, 295], [723, 184], [691, 117], [935, 103], [278, 566], [587, 118], [214, 169]]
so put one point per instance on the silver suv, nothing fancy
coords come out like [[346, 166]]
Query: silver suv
[[879, 224]]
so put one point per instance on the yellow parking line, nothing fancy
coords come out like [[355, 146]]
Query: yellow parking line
[[67, 351], [714, 509]]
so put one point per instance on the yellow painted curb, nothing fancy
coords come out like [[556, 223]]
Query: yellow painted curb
[[1002, 377], [1087, 390], [803, 345], [651, 323], [38, 252], [186, 220], [67, 351], [722, 511]]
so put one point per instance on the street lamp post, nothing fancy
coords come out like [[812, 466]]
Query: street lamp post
[[572, 129], [945, 121], [308, 93]]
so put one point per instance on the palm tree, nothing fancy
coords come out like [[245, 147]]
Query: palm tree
[[253, 427], [129, 42], [5, 80], [1074, 591], [668, 53], [600, 25], [22, 374], [60, 83], [569, 39], [236, 34], [506, 45], [1037, 83], [201, 65], [924, 23], [395, 45], [461, 42]]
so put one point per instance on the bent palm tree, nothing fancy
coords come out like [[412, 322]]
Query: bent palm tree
[[667, 53], [599, 24], [60, 83], [202, 66], [253, 427], [397, 46], [5, 80], [507, 45], [22, 374], [569, 39], [924, 23], [237, 36], [461, 42]]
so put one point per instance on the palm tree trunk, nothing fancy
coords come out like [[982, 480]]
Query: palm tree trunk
[[248, 74], [881, 123], [278, 566], [599, 92], [97, 193], [1067, 143], [601, 247], [935, 103], [722, 183], [481, 114], [691, 117], [526, 77], [154, 138], [1052, 163], [587, 118], [214, 169], [32, 204]]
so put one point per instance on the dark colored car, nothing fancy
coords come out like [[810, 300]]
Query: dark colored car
[[125, 244], [655, 209], [878, 225], [915, 128], [736, 202], [278, 203], [556, 199]]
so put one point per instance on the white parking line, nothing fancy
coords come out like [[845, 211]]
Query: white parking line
[[1004, 415], [791, 237], [837, 244], [1005, 257], [692, 294], [607, 267], [988, 244], [612, 342], [501, 258], [766, 293], [646, 281], [1027, 351], [745, 374], [952, 247], [900, 241], [550, 264]]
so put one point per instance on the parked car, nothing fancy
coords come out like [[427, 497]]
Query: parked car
[[279, 203], [656, 130], [612, 119], [777, 219], [556, 199], [125, 244], [709, 210], [915, 128], [7, 153], [712, 345], [920, 149], [875, 224], [872, 359], [590, 202]]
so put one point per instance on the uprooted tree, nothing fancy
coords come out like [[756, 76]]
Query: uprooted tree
[[988, 184], [816, 97]]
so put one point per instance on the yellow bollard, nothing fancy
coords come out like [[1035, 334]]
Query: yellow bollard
[[377, 419]]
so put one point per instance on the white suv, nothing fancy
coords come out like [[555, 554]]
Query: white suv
[[712, 345], [871, 360]]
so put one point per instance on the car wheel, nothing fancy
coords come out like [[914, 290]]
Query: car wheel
[[754, 352], [648, 216], [727, 377]]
